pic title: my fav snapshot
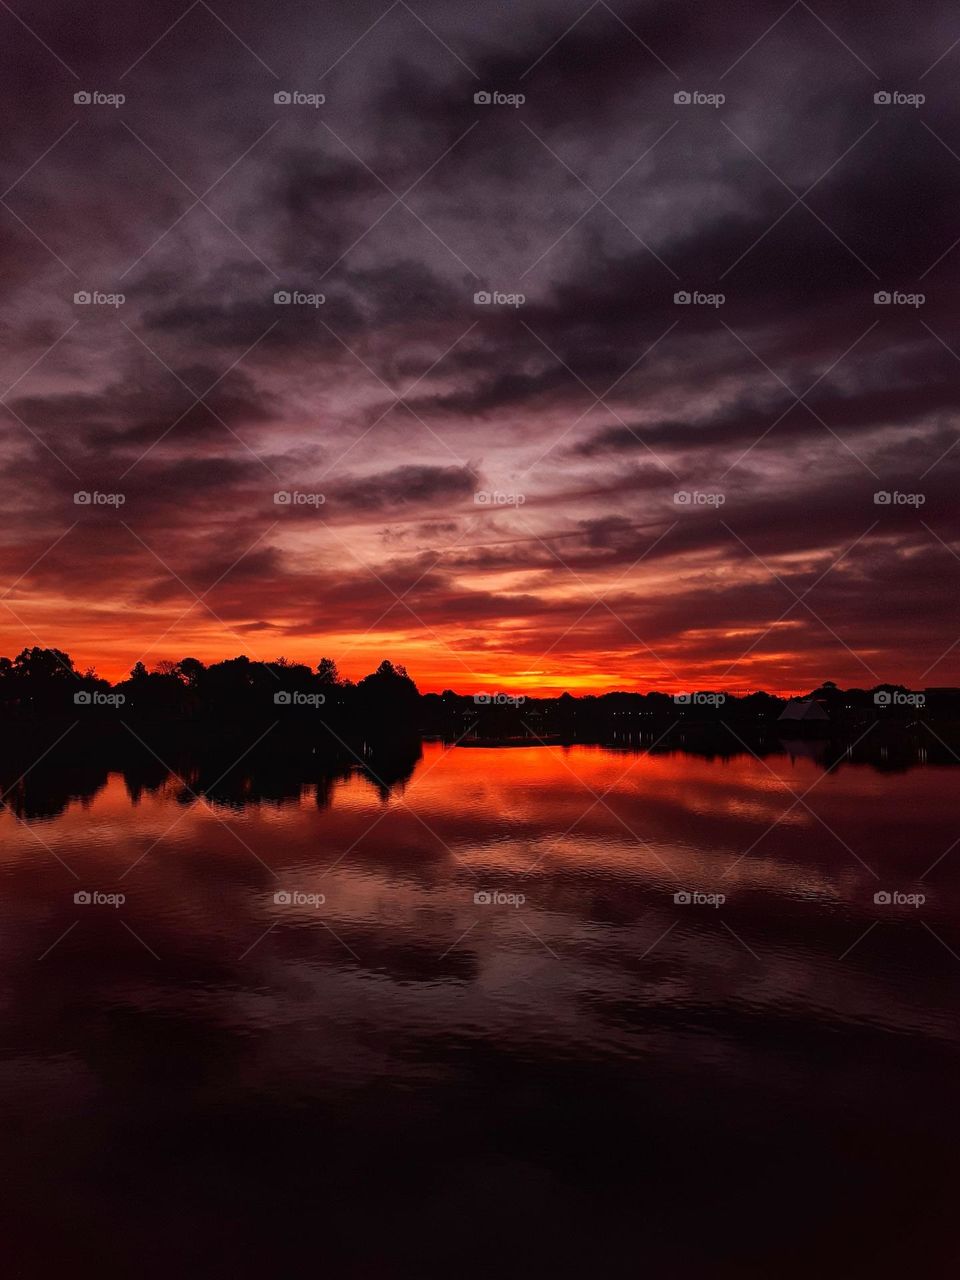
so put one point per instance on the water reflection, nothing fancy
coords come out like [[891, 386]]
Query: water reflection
[[387, 1035], [47, 788]]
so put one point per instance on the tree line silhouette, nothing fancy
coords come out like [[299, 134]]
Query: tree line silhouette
[[43, 683]]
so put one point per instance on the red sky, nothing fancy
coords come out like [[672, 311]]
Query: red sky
[[499, 481]]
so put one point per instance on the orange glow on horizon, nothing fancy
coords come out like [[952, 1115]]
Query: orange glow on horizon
[[437, 666]]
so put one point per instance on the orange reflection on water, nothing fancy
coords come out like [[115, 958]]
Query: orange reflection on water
[[665, 819]]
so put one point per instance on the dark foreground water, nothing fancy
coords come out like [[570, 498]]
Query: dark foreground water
[[379, 1073]]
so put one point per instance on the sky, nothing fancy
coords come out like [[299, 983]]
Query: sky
[[584, 483]]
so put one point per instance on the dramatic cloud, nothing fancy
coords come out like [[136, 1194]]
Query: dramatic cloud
[[409, 373]]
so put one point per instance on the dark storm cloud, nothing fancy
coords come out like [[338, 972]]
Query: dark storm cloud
[[406, 486]]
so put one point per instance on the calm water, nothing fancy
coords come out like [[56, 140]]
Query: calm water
[[587, 1077]]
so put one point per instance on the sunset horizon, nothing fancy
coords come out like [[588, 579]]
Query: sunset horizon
[[465, 681], [665, 398], [479, 638]]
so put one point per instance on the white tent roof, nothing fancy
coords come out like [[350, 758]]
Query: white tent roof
[[803, 709]]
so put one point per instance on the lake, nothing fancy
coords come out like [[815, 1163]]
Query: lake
[[508, 1011]]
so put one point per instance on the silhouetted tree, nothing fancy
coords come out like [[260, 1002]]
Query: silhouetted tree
[[389, 695]]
